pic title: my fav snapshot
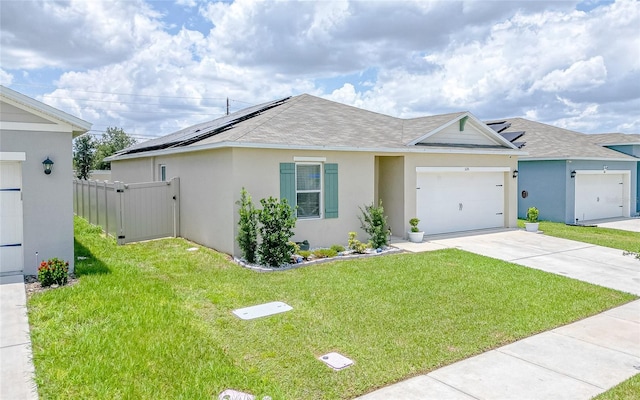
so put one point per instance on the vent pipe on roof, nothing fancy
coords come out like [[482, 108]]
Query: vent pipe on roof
[[227, 106]]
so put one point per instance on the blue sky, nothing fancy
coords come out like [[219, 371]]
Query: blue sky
[[153, 67]]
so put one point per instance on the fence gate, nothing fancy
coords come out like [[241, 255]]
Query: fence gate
[[130, 212]]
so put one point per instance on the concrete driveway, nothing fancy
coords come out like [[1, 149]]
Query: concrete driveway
[[627, 224], [586, 262]]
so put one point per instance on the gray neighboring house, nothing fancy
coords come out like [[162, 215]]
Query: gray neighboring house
[[451, 171], [569, 176], [36, 208]]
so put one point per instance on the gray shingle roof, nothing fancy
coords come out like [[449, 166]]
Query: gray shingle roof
[[304, 121], [550, 142], [616, 138]]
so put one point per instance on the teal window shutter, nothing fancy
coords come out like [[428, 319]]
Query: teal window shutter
[[331, 190], [288, 183]]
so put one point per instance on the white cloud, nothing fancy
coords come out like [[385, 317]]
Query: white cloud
[[581, 75], [496, 59], [5, 78]]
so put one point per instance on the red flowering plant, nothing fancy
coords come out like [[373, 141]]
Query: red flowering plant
[[53, 271]]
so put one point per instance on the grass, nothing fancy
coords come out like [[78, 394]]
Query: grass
[[614, 238], [153, 320], [629, 389]]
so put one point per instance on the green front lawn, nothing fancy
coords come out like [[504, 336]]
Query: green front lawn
[[627, 390], [614, 238], [153, 320]]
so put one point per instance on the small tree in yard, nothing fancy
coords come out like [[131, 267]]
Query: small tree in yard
[[374, 222], [248, 233], [84, 153], [113, 140], [278, 220]]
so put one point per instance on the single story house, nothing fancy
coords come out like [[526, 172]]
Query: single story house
[[627, 144], [36, 204], [451, 171], [568, 176]]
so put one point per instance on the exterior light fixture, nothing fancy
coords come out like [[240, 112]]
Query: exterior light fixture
[[47, 165], [515, 173], [573, 174]]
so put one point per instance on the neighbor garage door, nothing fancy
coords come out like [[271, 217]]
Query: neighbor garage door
[[599, 195], [459, 199], [10, 216]]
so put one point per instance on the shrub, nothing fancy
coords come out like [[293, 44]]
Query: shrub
[[325, 253], [278, 220], [337, 248], [304, 254], [374, 222], [414, 224], [532, 214], [248, 233], [53, 271], [356, 245]]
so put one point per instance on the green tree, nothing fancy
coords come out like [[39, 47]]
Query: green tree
[[112, 141], [84, 153]]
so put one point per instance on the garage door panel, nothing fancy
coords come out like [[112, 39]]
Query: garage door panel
[[599, 196], [11, 219], [457, 201]]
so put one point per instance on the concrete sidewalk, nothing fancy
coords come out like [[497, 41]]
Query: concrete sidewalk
[[576, 361], [16, 365]]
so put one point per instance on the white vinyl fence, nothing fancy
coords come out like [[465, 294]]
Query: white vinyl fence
[[130, 212]]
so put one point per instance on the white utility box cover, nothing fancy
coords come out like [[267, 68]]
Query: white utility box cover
[[262, 310], [336, 361]]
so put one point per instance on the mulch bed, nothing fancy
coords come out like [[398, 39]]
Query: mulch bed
[[32, 285]]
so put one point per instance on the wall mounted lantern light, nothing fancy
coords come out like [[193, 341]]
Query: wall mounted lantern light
[[47, 165], [573, 174], [515, 173]]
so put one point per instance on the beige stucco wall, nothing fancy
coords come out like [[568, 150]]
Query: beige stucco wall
[[258, 170], [391, 190], [47, 202], [133, 170], [211, 181]]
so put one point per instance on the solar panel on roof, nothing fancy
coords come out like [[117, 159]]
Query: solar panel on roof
[[204, 130], [499, 126], [511, 136]]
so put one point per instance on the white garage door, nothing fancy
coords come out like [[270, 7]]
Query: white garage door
[[460, 201], [599, 196], [10, 217]]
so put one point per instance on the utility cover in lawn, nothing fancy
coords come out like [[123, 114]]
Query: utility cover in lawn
[[336, 361], [262, 310]]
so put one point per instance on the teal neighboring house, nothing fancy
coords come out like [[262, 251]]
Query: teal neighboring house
[[573, 177], [627, 144]]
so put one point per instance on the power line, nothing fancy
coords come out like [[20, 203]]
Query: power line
[[126, 94]]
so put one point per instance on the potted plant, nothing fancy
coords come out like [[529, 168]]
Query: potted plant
[[415, 235], [532, 220]]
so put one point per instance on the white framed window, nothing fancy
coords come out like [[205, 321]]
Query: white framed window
[[309, 190], [162, 172]]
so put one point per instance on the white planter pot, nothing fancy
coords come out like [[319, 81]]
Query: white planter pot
[[416, 237], [531, 226]]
